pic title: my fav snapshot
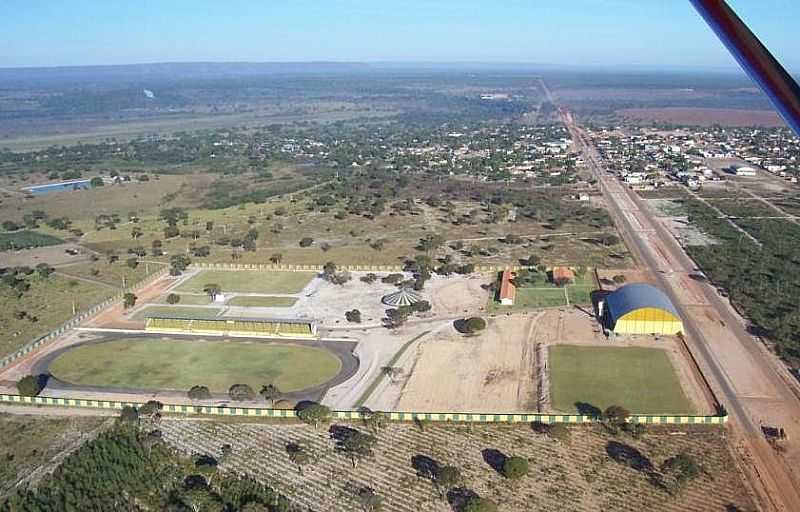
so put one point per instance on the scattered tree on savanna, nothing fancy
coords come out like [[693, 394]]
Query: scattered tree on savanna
[[241, 392], [515, 467], [368, 500], [43, 270], [173, 298], [179, 263], [355, 444], [270, 393], [299, 455], [478, 504], [374, 420], [447, 478], [353, 316], [212, 290], [679, 470], [151, 409], [129, 415], [314, 414], [128, 300], [199, 393], [615, 417], [30, 385]]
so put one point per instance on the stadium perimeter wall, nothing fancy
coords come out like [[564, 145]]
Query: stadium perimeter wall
[[256, 412], [318, 268]]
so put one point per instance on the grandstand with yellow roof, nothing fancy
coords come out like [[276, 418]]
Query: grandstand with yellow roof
[[231, 326]]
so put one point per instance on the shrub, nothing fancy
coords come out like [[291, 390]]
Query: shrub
[[30, 385], [474, 324], [515, 467], [199, 393], [306, 242], [241, 392], [173, 298]]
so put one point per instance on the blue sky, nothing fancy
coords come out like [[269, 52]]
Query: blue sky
[[617, 33]]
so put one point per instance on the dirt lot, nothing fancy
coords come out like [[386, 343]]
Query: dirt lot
[[54, 255], [703, 116], [503, 369], [585, 474]]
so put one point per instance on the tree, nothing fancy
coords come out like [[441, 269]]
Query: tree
[[447, 478], [353, 316], [615, 417], [129, 415], [396, 317], [298, 455], [474, 324], [681, 469], [199, 393], [179, 263], [270, 392], [368, 500], [212, 289], [132, 262], [515, 467], [314, 414], [329, 270], [241, 392], [173, 298], [306, 241], [129, 300], [276, 258], [97, 181], [136, 232], [374, 420], [421, 306], [30, 385], [357, 445], [151, 409], [478, 504], [44, 270], [619, 279], [393, 372]]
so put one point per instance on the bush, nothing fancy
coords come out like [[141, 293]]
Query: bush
[[241, 392], [199, 393], [306, 242], [515, 467], [30, 385], [353, 316], [474, 324], [173, 298]]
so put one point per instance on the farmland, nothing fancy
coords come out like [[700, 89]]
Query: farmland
[[593, 378], [26, 240], [580, 475], [180, 364], [30, 443]]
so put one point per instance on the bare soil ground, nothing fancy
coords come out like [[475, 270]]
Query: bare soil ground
[[703, 116], [54, 255], [580, 475], [499, 371]]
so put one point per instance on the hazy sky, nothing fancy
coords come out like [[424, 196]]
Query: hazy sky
[[578, 32]]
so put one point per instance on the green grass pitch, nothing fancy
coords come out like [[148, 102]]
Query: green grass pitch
[[180, 364], [640, 379], [249, 281]]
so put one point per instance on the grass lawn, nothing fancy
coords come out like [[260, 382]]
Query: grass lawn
[[531, 298], [249, 281], [640, 379], [177, 312], [262, 302], [189, 299], [180, 364]]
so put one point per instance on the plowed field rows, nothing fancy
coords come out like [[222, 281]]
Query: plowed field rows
[[578, 476]]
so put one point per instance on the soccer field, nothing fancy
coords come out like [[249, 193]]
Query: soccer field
[[249, 281], [158, 363], [640, 379]]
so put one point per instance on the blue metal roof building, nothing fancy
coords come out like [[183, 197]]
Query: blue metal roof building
[[640, 308]]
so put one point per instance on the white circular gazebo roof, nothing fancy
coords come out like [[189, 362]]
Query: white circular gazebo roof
[[404, 297]]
